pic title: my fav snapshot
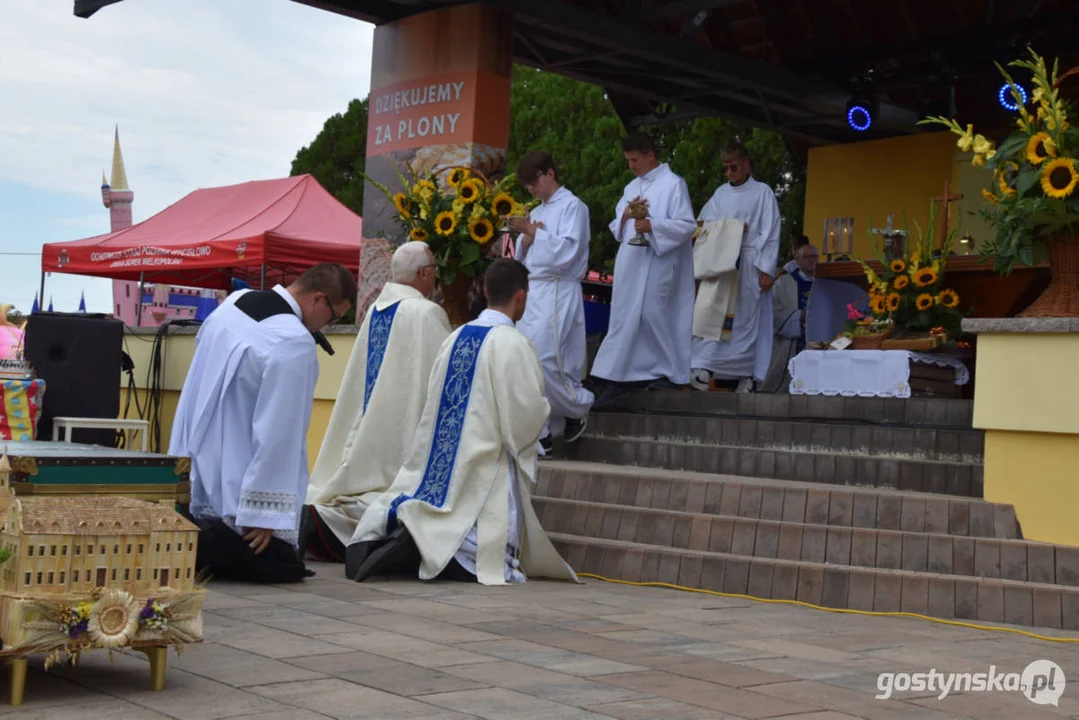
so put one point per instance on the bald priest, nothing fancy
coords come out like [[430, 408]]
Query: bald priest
[[460, 508], [378, 405]]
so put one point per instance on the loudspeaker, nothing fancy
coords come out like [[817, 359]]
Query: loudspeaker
[[79, 357]]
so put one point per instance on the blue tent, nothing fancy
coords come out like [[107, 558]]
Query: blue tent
[[50, 304], [82, 303], [35, 308]]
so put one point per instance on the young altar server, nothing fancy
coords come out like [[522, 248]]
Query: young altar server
[[242, 420], [746, 353], [553, 244], [790, 299], [651, 325], [378, 406], [460, 508]]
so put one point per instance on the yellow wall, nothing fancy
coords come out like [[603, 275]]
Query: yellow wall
[[870, 180], [1036, 472], [1025, 401], [1026, 383], [178, 352]]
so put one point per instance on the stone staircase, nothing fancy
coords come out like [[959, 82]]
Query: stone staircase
[[842, 502]]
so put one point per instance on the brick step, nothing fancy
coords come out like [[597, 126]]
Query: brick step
[[932, 551], [769, 499], [911, 443], [826, 467], [835, 586], [915, 412]]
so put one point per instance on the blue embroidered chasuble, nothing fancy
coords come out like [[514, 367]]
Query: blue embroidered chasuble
[[805, 286], [378, 337], [449, 422]]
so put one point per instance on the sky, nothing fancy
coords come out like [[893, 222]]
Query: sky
[[205, 93]]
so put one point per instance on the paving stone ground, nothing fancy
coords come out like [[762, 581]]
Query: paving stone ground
[[332, 648]]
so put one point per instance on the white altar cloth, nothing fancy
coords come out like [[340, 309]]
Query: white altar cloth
[[863, 373]]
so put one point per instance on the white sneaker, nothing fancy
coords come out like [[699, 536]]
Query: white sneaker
[[701, 379], [746, 385]]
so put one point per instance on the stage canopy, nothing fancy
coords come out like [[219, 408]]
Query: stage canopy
[[280, 227]]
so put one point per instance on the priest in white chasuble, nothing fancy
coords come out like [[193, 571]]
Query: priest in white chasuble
[[553, 243], [790, 299], [242, 420], [378, 405], [651, 327], [747, 352], [460, 507]]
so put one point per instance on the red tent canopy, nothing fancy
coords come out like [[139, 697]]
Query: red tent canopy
[[213, 235]]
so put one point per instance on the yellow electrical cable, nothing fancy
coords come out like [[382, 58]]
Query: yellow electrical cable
[[942, 621]]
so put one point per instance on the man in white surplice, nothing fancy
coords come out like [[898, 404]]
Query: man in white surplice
[[378, 405], [460, 508], [242, 420], [790, 299], [747, 353], [651, 325], [553, 244]]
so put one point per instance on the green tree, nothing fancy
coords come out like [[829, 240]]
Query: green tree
[[575, 122], [338, 154]]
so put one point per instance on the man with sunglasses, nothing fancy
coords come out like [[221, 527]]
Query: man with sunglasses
[[745, 353], [242, 420], [378, 405]]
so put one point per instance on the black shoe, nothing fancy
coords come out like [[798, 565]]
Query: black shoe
[[663, 384], [547, 443], [574, 428]]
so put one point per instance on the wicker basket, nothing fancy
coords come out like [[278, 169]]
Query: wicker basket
[[872, 342]]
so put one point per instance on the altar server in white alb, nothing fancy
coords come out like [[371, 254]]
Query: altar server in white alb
[[553, 244], [745, 356], [378, 406], [651, 325], [242, 420], [790, 302], [460, 508]]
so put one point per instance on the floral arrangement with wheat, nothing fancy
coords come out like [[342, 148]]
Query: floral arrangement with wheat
[[457, 211], [908, 297], [1032, 203]]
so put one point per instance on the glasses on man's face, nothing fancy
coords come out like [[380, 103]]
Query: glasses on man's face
[[334, 317], [729, 167]]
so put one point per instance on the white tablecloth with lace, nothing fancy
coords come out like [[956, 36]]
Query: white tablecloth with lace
[[863, 373]]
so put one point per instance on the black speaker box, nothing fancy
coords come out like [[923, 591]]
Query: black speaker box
[[78, 356]]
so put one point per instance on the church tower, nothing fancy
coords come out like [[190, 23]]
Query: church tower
[[118, 198]]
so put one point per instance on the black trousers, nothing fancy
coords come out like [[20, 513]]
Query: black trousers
[[223, 553], [317, 539], [395, 556]]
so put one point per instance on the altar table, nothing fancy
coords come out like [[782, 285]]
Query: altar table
[[864, 373]]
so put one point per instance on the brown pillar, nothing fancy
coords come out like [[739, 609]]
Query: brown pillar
[[440, 93]]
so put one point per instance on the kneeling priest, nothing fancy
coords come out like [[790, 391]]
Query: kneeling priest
[[460, 507]]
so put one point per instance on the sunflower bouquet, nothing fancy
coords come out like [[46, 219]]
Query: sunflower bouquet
[[457, 212], [910, 293], [1032, 197]]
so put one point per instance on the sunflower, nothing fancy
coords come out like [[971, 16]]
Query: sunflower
[[502, 205], [990, 196], [898, 265], [457, 176], [893, 302], [876, 304], [1009, 172], [901, 281], [400, 200], [470, 190], [924, 301], [948, 298], [1040, 148], [114, 619], [925, 277], [445, 223], [418, 234], [481, 231], [1059, 178]]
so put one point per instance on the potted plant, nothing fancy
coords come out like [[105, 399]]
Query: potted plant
[[1033, 206], [457, 211], [908, 299]]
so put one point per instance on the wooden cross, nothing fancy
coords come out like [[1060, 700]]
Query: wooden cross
[[948, 198]]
